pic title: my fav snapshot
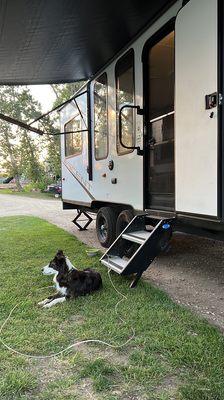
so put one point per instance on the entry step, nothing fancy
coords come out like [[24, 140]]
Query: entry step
[[136, 247], [137, 237], [116, 263]]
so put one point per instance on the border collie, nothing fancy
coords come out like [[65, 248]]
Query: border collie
[[69, 282]]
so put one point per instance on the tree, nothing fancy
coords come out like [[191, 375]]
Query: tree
[[30, 164], [10, 154], [21, 150], [65, 91], [17, 147], [52, 146]]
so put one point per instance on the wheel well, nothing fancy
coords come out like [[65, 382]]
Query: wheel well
[[96, 205]]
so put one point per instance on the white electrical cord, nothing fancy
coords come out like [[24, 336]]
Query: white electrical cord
[[76, 343]]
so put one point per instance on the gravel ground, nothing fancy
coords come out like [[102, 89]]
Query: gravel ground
[[192, 273]]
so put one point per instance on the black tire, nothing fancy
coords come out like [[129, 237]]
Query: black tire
[[124, 218], [106, 225], [126, 248]]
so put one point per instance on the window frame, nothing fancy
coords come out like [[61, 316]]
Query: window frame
[[118, 145], [65, 135], [94, 121]]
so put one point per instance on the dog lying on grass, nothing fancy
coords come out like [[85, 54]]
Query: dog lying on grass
[[69, 282]]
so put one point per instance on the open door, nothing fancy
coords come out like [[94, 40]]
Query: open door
[[196, 108], [159, 77]]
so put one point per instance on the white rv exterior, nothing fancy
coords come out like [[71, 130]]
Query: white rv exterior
[[174, 67]]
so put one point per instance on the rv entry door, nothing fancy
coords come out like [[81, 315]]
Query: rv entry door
[[158, 59]]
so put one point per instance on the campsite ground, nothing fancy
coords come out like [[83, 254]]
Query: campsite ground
[[174, 354], [31, 194], [192, 273]]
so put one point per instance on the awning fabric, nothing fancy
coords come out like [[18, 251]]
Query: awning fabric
[[57, 41]]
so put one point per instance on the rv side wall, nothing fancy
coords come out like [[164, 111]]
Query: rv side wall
[[128, 168], [196, 132]]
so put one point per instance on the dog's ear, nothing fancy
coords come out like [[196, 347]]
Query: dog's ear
[[60, 254]]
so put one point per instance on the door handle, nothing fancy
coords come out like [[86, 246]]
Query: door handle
[[151, 142]]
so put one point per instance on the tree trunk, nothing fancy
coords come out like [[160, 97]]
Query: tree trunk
[[13, 164], [18, 184], [55, 91]]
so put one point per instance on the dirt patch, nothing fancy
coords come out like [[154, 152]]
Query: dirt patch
[[82, 390], [49, 369], [77, 319], [193, 275], [114, 357], [169, 385], [73, 321], [128, 393]]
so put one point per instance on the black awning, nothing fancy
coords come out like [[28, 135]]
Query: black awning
[[56, 41]]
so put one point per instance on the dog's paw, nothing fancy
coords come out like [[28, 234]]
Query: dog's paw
[[48, 305], [54, 302], [43, 302]]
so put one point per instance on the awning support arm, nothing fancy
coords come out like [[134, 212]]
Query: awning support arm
[[30, 128], [23, 125], [57, 107]]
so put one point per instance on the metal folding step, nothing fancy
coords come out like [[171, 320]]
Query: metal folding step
[[137, 237], [137, 246], [116, 263]]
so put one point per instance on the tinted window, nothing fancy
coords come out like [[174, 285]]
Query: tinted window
[[100, 118], [125, 95], [161, 78], [73, 140]]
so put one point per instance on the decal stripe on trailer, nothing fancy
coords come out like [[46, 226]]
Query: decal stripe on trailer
[[78, 177]]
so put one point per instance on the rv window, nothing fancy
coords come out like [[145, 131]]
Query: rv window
[[100, 118], [73, 141], [124, 72]]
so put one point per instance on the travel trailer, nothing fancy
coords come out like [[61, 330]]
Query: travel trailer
[[142, 143], [147, 129]]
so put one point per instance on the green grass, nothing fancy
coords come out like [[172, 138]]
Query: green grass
[[36, 195], [175, 355]]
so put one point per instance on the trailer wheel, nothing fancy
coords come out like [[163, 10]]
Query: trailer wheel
[[126, 248], [124, 218], [106, 225]]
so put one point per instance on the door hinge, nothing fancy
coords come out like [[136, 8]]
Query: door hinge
[[220, 99]]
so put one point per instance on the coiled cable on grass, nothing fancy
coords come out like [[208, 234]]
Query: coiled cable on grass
[[76, 344]]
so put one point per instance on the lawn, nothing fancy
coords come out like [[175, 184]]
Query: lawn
[[34, 195], [174, 356]]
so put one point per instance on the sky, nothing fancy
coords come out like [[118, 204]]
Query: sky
[[44, 94]]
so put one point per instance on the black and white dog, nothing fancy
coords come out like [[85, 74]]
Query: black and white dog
[[69, 282]]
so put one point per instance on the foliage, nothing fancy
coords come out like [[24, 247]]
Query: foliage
[[174, 354], [65, 91], [31, 191], [52, 146], [30, 164], [18, 148], [21, 153]]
